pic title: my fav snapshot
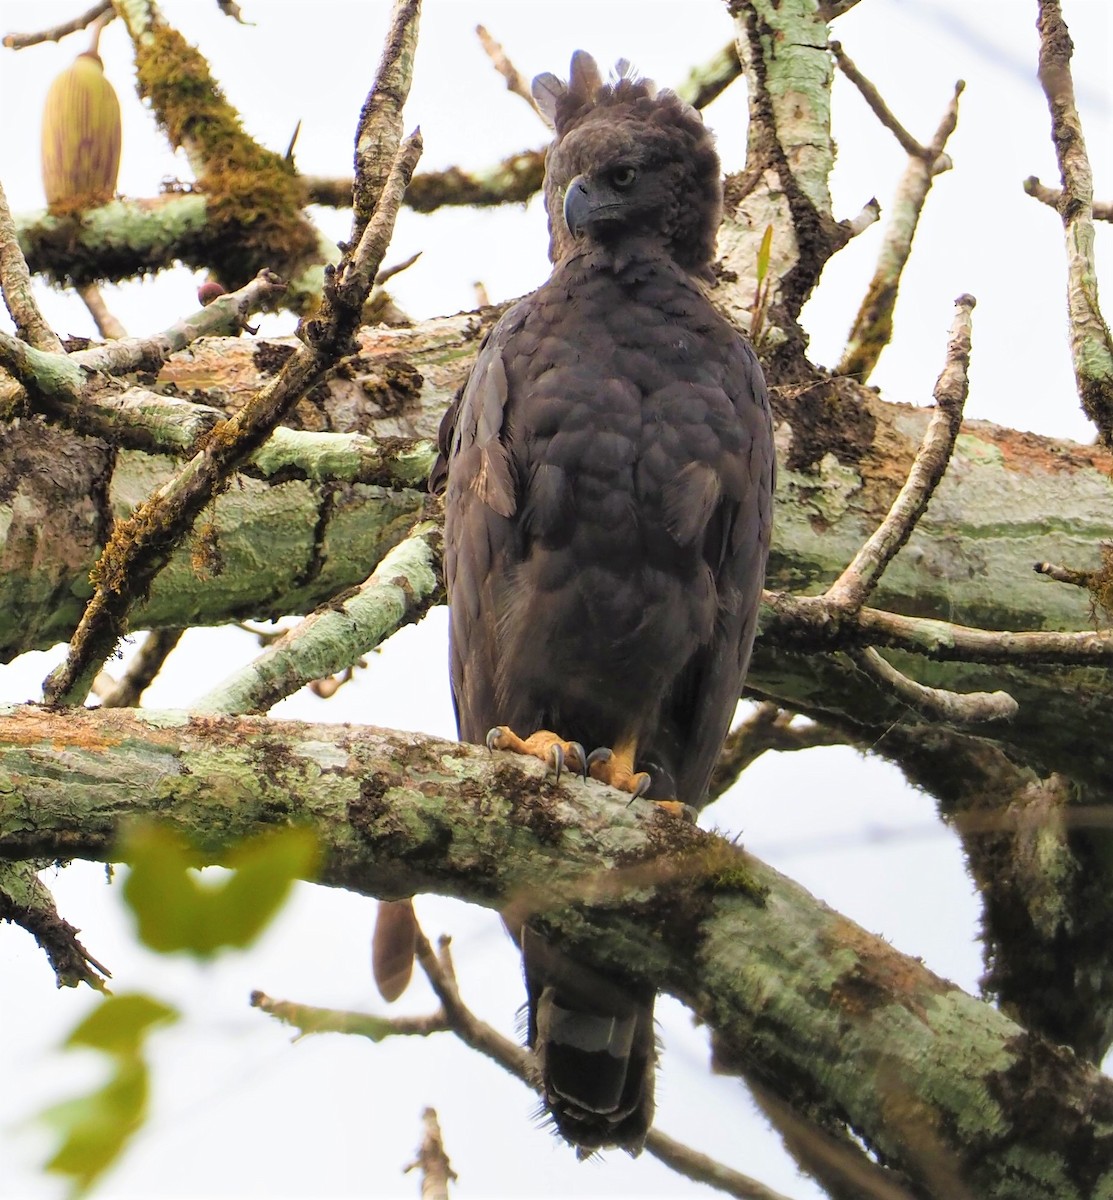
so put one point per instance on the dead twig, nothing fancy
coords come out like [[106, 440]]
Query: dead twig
[[966, 708], [26, 901], [432, 1160], [873, 98], [768, 727], [139, 676], [873, 325], [20, 41], [1053, 198], [853, 587], [15, 282], [108, 326], [515, 80]]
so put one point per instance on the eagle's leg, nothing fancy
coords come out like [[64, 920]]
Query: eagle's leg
[[550, 747], [616, 767]]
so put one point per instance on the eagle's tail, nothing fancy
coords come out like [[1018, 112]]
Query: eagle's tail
[[595, 1046]]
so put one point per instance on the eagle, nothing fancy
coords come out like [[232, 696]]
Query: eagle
[[608, 474]]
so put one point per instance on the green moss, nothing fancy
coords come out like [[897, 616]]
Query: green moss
[[253, 195]]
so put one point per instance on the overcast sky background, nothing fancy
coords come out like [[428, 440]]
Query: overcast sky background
[[238, 1111]]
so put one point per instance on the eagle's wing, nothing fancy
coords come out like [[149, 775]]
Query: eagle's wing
[[481, 498], [697, 714]]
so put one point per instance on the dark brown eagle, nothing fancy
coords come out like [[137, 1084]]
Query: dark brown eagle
[[609, 490]]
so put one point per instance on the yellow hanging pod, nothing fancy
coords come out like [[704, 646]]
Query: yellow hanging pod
[[80, 137]]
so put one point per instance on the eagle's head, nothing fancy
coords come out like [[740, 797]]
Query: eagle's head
[[628, 163]]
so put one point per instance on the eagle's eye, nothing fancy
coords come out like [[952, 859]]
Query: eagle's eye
[[622, 178]]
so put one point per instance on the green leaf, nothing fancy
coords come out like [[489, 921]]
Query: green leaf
[[264, 870], [177, 910], [163, 893], [764, 253], [95, 1128], [119, 1024]]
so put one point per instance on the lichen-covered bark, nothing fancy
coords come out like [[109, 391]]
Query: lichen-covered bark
[[940, 1085]]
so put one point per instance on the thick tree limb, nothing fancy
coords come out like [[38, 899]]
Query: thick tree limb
[[797, 992], [1091, 343]]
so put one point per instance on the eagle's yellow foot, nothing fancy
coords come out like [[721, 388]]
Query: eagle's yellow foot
[[617, 770], [549, 747]]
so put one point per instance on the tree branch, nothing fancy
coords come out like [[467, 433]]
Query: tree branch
[[15, 282], [1091, 344], [140, 547], [792, 988], [404, 586], [25, 900], [854, 586], [873, 326], [20, 41], [157, 647], [1053, 198]]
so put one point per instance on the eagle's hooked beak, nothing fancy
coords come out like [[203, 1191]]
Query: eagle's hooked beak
[[577, 206], [587, 204]]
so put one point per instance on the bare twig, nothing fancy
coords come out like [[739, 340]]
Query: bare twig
[[515, 81], [1091, 344], [873, 98], [1053, 198], [26, 901], [967, 708], [854, 585], [436, 1170], [768, 727], [20, 41], [396, 269], [704, 1169], [307, 1019], [810, 623], [873, 325], [1082, 579], [711, 78], [108, 326], [379, 133], [140, 546], [66, 387], [139, 676], [15, 282]]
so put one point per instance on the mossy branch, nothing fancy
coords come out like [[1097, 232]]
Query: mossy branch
[[788, 985]]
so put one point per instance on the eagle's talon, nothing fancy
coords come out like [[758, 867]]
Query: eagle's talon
[[581, 758], [556, 759], [601, 754], [494, 738]]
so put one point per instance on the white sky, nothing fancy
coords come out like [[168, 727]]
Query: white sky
[[238, 1111]]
